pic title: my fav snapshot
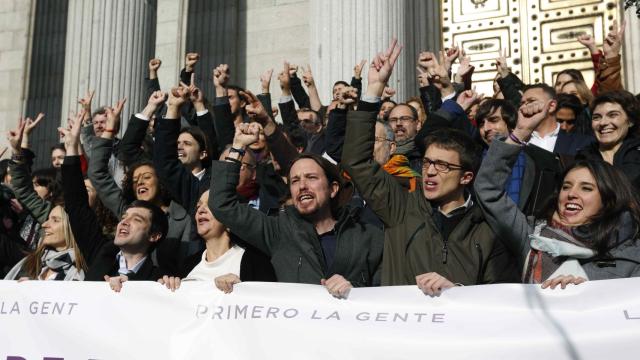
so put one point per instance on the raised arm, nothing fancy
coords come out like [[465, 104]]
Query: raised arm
[[385, 195], [86, 228], [251, 225], [608, 76], [130, 148], [178, 179], [224, 120], [309, 81], [21, 172], [502, 214], [337, 124]]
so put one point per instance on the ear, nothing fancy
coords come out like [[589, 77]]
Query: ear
[[203, 154], [392, 147], [466, 178], [335, 187], [553, 106], [155, 237], [418, 125]]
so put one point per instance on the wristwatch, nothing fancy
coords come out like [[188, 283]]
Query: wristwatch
[[241, 152]]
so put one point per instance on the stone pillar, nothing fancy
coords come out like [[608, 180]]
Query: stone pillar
[[345, 31], [108, 46], [170, 40], [631, 51], [15, 29]]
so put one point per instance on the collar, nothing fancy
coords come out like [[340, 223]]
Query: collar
[[460, 209], [200, 174], [553, 134], [123, 269]]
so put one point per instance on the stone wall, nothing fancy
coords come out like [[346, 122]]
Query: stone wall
[[15, 28]]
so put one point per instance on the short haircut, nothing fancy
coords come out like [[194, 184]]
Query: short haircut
[[340, 82], [545, 88], [317, 120], [455, 140], [507, 110], [48, 177], [237, 88], [200, 138], [571, 102], [390, 101], [100, 111], [390, 135], [625, 99], [159, 222]]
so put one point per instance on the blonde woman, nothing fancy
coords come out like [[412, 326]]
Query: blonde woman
[[57, 256]]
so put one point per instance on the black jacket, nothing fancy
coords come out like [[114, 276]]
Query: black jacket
[[626, 159]]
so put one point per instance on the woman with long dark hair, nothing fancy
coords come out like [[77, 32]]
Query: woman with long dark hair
[[589, 231]]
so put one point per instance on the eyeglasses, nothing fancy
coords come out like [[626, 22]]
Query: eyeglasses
[[247, 166], [404, 119], [441, 166]]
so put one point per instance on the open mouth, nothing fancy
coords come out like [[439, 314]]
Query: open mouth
[[430, 185], [303, 198], [142, 190], [572, 208], [123, 232]]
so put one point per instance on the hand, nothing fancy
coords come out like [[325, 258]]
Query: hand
[[563, 281], [156, 98], [529, 117], [116, 282], [85, 102], [178, 96], [171, 282], [285, 80], [438, 72], [613, 41], [154, 65], [246, 134], [293, 70], [588, 41], [433, 283], [348, 96], [501, 64], [221, 76], [113, 115], [423, 77], [467, 98], [307, 77], [31, 124], [450, 57], [71, 134], [254, 107], [357, 70], [337, 286], [265, 81], [195, 95], [427, 60], [15, 136], [191, 59], [381, 68], [225, 282], [464, 68], [388, 93]]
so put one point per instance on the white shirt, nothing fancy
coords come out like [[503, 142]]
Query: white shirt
[[548, 142], [228, 263], [124, 268]]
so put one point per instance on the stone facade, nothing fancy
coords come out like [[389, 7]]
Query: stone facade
[[15, 29]]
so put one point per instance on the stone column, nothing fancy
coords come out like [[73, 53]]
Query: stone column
[[631, 51], [345, 31], [109, 44], [170, 40]]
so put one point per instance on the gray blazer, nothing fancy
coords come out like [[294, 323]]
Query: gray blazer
[[514, 228]]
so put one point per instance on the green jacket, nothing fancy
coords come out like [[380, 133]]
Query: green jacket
[[413, 245], [291, 241], [23, 188]]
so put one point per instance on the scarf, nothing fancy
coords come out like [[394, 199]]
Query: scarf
[[61, 262], [399, 167], [405, 147], [554, 252]]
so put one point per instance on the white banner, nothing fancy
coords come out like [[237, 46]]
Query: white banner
[[71, 320]]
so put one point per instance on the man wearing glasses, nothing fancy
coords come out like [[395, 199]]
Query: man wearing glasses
[[403, 119], [435, 238]]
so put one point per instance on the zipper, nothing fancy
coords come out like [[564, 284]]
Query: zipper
[[298, 271], [445, 251]]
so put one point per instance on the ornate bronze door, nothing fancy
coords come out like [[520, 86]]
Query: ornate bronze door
[[539, 36]]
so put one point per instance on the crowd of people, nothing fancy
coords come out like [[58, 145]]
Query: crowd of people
[[536, 183]]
